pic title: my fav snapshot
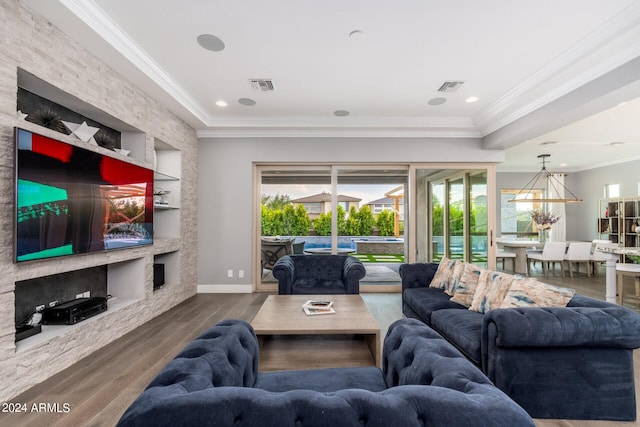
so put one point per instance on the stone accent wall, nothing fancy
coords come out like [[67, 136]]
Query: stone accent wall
[[30, 43]]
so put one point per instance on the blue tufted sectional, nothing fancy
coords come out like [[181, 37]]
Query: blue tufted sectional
[[573, 362], [424, 381]]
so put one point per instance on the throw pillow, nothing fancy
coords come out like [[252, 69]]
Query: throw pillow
[[466, 288], [531, 293], [491, 290], [454, 279], [443, 275]]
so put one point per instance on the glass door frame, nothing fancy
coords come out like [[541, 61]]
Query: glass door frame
[[333, 169], [490, 169]]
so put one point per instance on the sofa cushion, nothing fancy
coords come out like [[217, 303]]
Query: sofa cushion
[[454, 279], [444, 275], [462, 328], [323, 380], [491, 290], [318, 286], [465, 288], [425, 301], [531, 293]]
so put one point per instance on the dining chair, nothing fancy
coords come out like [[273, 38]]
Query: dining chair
[[579, 252], [552, 252], [503, 255]]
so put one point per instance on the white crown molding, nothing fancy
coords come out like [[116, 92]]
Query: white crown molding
[[327, 132], [96, 19], [496, 115], [410, 127]]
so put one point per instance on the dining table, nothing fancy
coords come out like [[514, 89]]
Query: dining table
[[520, 248]]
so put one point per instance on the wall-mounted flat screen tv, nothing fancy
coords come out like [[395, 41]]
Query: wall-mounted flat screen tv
[[70, 200]]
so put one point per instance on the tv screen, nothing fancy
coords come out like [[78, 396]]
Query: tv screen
[[70, 200]]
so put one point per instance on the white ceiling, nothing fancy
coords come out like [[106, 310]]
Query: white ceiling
[[519, 58]]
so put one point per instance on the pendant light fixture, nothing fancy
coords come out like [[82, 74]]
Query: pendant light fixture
[[528, 192]]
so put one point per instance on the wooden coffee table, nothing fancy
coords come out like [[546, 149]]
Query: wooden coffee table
[[289, 339]]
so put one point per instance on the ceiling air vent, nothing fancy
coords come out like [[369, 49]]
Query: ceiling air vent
[[450, 86], [261, 85]]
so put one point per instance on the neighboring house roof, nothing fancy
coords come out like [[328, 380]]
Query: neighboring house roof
[[324, 197], [383, 201]]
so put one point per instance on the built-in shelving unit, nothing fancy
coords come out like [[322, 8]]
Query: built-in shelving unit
[[619, 221], [127, 279]]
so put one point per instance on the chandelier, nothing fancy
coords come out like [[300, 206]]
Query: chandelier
[[553, 186]]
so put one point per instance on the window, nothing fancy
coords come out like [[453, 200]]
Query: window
[[515, 218], [611, 191]]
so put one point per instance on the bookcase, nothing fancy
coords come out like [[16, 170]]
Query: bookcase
[[619, 221]]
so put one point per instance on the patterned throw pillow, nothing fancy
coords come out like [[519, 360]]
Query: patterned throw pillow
[[491, 290], [531, 293], [443, 275], [466, 288], [454, 279]]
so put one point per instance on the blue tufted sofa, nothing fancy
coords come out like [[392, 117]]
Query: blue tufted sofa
[[573, 362], [318, 274], [424, 382]]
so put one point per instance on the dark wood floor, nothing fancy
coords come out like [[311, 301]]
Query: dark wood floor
[[100, 387]]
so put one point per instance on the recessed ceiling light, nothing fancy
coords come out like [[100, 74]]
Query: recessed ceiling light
[[341, 113], [221, 103], [616, 143], [562, 165], [548, 143], [472, 99], [437, 101], [210, 42], [247, 101], [356, 34]]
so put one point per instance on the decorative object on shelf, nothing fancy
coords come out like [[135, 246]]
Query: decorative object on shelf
[[104, 140], [160, 197], [48, 118], [637, 227], [528, 194], [82, 131], [122, 151], [21, 115]]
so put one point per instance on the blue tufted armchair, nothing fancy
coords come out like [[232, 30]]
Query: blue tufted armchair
[[318, 274]]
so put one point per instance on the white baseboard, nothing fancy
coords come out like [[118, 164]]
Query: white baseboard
[[225, 289]]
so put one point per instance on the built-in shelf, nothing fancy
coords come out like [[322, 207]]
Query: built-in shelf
[[50, 332], [166, 220], [171, 262]]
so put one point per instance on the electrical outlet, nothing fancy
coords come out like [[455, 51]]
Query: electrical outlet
[[79, 296], [87, 294], [229, 273], [241, 273]]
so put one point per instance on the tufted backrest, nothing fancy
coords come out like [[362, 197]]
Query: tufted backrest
[[417, 275], [224, 355], [314, 266], [415, 354]]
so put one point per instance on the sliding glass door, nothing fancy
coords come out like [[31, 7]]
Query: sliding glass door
[[453, 215], [328, 209], [382, 214]]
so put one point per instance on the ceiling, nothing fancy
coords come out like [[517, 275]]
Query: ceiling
[[373, 68]]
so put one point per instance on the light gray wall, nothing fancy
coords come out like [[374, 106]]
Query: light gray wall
[[225, 188], [587, 185]]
